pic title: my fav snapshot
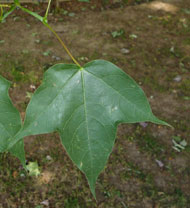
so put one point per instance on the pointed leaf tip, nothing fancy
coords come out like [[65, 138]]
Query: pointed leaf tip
[[93, 190], [160, 122]]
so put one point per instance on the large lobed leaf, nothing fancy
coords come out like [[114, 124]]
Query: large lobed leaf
[[10, 123], [85, 106]]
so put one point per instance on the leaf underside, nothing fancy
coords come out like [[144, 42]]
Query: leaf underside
[[85, 106], [10, 123]]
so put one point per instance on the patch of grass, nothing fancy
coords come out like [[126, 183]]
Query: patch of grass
[[47, 42], [71, 202], [186, 41], [171, 51], [185, 64], [9, 174], [17, 74], [185, 87], [150, 191], [118, 33], [149, 144], [153, 83], [182, 125], [134, 171], [95, 55], [179, 199], [165, 199], [164, 51]]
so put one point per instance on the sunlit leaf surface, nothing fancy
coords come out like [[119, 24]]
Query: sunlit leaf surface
[[85, 106]]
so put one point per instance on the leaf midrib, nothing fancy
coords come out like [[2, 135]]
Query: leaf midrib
[[85, 112]]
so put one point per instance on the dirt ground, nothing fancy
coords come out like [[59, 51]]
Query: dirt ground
[[150, 42]]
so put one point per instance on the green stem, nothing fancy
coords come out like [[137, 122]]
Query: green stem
[[47, 10], [37, 16], [64, 46], [6, 14], [1, 11], [4, 5], [43, 20]]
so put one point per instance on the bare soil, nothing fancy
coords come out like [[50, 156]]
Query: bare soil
[[153, 46]]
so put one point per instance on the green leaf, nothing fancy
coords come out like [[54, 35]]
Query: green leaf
[[18, 151], [2, 41], [34, 14], [33, 169], [118, 33], [10, 123], [85, 106], [6, 14]]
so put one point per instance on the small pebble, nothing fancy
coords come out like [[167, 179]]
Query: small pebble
[[48, 157], [160, 164], [143, 124], [177, 78], [22, 175], [45, 202], [57, 58], [33, 87], [125, 51]]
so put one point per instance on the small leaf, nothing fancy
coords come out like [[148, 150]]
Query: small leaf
[[179, 144], [47, 53], [71, 14], [183, 143], [177, 138], [10, 123], [175, 148], [133, 36], [34, 34], [186, 98], [85, 106], [33, 169], [117, 33], [29, 95], [186, 11]]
